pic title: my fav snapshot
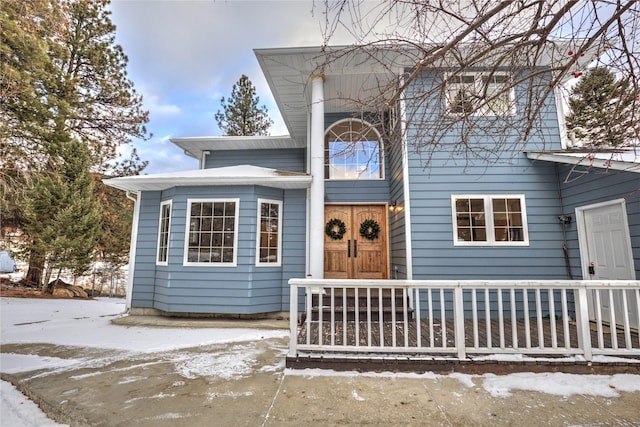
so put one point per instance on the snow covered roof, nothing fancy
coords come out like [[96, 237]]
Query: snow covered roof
[[231, 175], [617, 159], [195, 146]]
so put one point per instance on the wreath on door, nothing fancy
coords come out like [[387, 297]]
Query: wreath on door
[[370, 229], [335, 229]]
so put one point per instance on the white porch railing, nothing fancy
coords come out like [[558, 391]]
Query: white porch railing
[[463, 318]]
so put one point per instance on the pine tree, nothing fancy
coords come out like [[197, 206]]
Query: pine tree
[[62, 214], [602, 110], [241, 115], [62, 81]]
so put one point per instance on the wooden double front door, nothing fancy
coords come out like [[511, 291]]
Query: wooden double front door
[[351, 254]]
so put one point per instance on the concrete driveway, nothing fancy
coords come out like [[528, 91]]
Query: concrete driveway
[[246, 384]]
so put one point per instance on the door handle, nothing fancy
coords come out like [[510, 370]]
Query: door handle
[[348, 248], [355, 249]]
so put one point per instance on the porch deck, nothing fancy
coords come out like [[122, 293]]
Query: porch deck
[[462, 321], [382, 334]]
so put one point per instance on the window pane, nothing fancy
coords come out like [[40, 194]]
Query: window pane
[[507, 218], [218, 209], [462, 205], [207, 223], [227, 255], [268, 232], [352, 151], [163, 233], [470, 220], [464, 234], [477, 205]]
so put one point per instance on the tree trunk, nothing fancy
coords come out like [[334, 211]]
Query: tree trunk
[[36, 268]]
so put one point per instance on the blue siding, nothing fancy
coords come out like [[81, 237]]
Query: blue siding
[[397, 230], [244, 289], [437, 174], [293, 240], [285, 159], [598, 186], [147, 240]]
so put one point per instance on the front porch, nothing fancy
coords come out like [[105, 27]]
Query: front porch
[[453, 322]]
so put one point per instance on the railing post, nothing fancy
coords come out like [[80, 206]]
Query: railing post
[[582, 323], [458, 315], [293, 320]]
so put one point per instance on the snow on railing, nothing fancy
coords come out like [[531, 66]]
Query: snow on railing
[[465, 317]]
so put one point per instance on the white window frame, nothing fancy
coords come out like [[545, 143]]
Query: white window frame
[[168, 203], [186, 261], [489, 220], [482, 110], [381, 149], [278, 261]]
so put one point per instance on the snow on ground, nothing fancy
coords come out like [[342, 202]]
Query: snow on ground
[[87, 324], [18, 410]]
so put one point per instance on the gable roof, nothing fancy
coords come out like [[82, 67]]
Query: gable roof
[[353, 73], [627, 160], [231, 175]]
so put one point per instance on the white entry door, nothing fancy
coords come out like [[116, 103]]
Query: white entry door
[[605, 251]]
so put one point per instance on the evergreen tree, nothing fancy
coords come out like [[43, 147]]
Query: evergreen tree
[[241, 115], [62, 81], [602, 110], [62, 214]]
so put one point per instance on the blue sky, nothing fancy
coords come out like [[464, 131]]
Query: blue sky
[[185, 55]]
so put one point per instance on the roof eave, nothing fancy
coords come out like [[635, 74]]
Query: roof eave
[[586, 160]]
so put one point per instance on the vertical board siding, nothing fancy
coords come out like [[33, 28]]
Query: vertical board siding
[[290, 159], [437, 174], [596, 186]]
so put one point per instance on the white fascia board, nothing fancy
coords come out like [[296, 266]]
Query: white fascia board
[[596, 160], [236, 175]]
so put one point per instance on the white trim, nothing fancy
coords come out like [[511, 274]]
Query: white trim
[[381, 149], [132, 247], [581, 227], [405, 189], [622, 160], [489, 224], [278, 262], [165, 203], [316, 200], [483, 110], [562, 123], [235, 234]]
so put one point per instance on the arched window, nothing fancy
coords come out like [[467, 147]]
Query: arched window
[[353, 150]]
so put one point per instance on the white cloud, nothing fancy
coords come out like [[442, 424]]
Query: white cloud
[[185, 55]]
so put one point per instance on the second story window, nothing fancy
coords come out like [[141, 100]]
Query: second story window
[[353, 150], [480, 94]]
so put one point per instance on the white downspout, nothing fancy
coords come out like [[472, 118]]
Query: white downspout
[[316, 199], [562, 124], [203, 159], [132, 247], [405, 188]]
